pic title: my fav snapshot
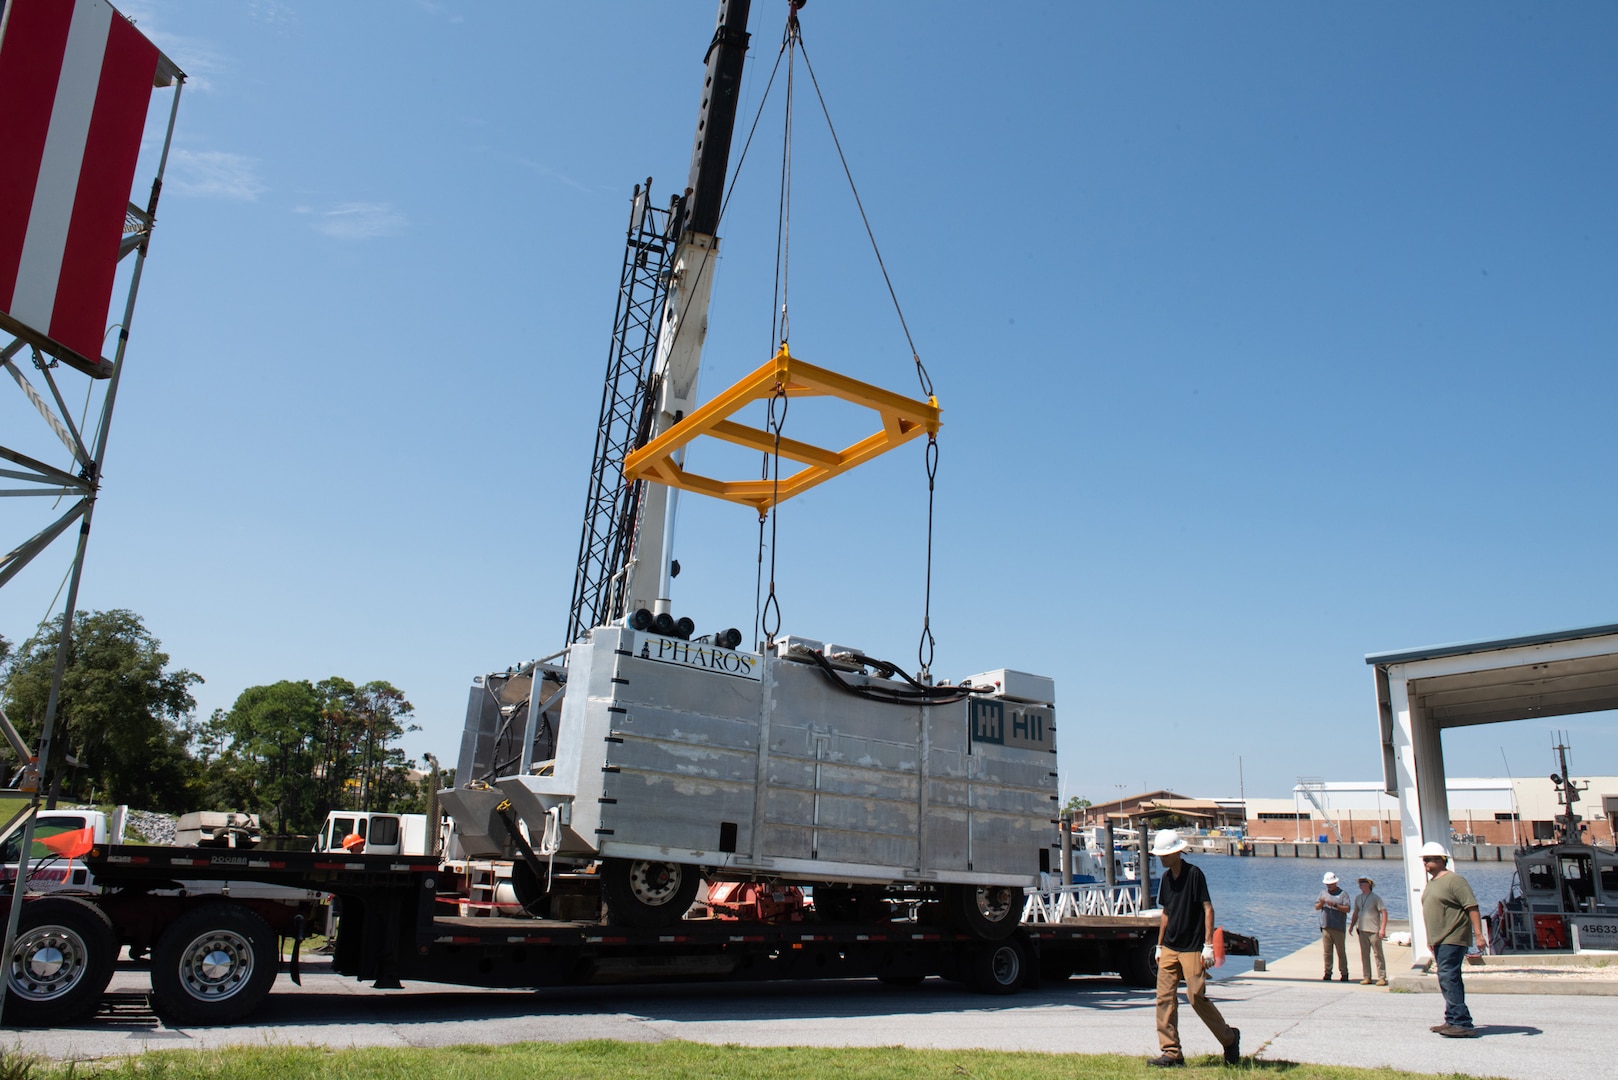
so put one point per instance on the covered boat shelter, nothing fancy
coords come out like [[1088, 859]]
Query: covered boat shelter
[[1420, 692]]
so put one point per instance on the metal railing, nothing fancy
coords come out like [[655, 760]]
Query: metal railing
[[1086, 900]]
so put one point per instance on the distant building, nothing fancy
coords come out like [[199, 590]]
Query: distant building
[[1494, 810], [1126, 808], [1199, 813]]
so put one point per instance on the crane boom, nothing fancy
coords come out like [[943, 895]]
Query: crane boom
[[685, 316]]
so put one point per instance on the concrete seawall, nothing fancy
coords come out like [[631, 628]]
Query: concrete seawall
[[1310, 850]]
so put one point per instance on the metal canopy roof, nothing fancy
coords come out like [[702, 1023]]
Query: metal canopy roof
[[1461, 648], [1522, 679]]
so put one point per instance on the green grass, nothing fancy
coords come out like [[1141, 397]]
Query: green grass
[[674, 1060], [10, 804]]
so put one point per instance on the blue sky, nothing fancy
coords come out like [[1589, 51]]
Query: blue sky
[[1267, 336]]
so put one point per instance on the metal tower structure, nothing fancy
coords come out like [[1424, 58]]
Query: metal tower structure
[[75, 85], [612, 503]]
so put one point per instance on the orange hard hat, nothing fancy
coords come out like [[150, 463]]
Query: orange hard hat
[[353, 840]]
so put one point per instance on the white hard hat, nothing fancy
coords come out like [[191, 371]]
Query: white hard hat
[[1329, 879], [1167, 842], [1433, 847]]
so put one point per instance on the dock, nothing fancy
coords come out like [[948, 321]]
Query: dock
[[1308, 849]]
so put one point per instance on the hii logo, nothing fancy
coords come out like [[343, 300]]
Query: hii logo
[[1027, 726]]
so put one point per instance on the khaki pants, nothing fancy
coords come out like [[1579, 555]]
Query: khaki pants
[[1332, 940], [1371, 941], [1171, 968]]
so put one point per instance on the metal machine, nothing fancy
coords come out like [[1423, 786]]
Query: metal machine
[[664, 758]]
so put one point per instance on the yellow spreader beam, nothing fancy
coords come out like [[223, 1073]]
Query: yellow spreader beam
[[902, 420]]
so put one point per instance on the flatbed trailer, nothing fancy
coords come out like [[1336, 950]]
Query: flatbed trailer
[[217, 956]]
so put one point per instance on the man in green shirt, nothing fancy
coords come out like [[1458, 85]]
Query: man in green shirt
[[1450, 912]]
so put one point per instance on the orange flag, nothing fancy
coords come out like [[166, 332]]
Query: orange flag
[[72, 844]]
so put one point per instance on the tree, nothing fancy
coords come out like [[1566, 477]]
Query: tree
[[293, 751], [380, 717], [122, 715], [1076, 807], [263, 755]]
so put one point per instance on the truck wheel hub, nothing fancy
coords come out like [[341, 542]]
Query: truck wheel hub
[[654, 882], [46, 962], [994, 902], [216, 965]]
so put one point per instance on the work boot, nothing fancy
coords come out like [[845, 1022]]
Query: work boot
[[1450, 1031], [1326, 977], [1345, 976], [1438, 1027], [1233, 1049], [1165, 1062], [1382, 981], [1365, 982]]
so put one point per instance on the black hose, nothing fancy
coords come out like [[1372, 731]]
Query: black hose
[[922, 694]]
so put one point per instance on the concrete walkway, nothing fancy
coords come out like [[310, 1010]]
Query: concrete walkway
[[1281, 1019], [1562, 974]]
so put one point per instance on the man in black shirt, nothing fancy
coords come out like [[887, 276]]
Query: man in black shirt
[[1185, 951]]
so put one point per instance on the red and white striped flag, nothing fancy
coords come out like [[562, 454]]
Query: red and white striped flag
[[76, 78]]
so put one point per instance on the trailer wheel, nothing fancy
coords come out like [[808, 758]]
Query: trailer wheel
[[997, 967], [647, 894], [1140, 965], [213, 965], [990, 912], [60, 963]]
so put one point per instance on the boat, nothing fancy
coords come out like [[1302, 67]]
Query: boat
[[1564, 894]]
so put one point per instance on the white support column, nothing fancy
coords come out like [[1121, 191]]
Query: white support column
[[1423, 796], [1404, 763]]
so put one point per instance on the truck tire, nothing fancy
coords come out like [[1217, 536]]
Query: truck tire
[[213, 965], [1140, 965], [647, 894], [997, 967], [990, 912], [60, 963]]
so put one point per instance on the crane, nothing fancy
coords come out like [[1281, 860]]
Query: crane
[[661, 758]]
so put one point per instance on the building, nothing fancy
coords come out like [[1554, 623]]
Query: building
[[1490, 810]]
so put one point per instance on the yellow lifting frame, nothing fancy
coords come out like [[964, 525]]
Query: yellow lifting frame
[[902, 420]]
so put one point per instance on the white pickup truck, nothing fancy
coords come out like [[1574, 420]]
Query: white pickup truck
[[61, 838], [384, 834]]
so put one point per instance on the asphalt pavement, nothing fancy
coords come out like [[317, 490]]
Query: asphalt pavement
[[1280, 1019]]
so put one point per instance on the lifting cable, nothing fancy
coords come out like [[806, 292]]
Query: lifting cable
[[924, 648], [767, 612], [768, 618]]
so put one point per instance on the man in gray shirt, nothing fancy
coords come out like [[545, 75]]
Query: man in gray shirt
[[1332, 903], [1369, 919]]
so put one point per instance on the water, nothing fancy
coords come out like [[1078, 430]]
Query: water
[[1274, 899]]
